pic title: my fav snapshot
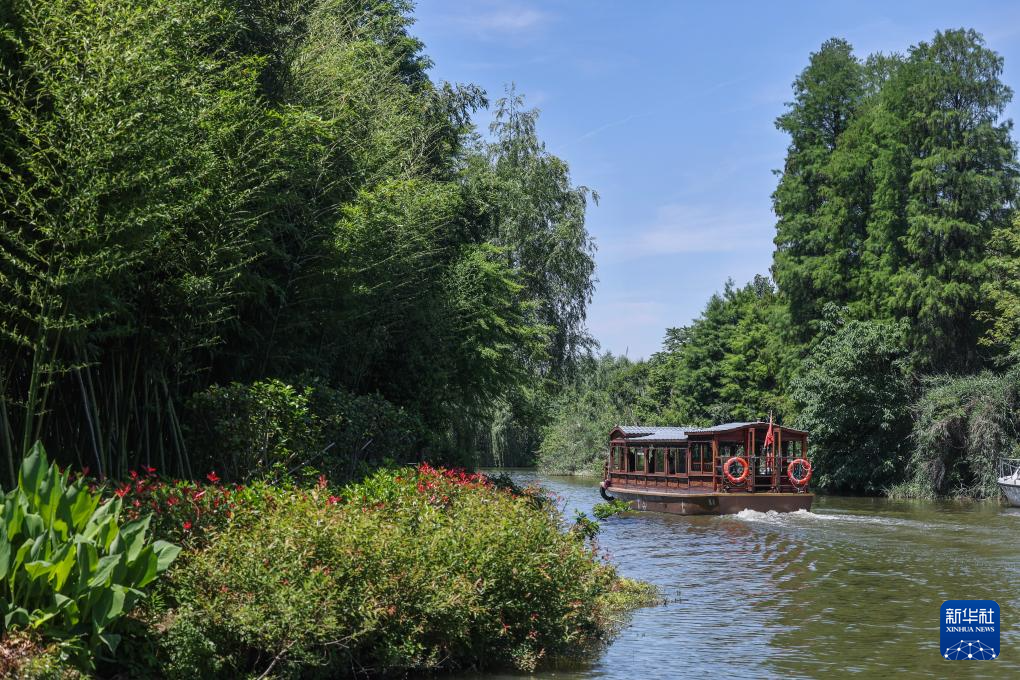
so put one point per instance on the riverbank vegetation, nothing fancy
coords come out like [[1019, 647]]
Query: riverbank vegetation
[[888, 326], [255, 267], [413, 569]]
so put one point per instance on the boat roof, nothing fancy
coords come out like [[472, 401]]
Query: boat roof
[[656, 433]]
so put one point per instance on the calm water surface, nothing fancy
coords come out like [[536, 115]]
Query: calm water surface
[[851, 588]]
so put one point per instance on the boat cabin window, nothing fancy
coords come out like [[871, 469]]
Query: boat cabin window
[[676, 461], [639, 460], [657, 464], [701, 457], [792, 448], [729, 449], [616, 458]]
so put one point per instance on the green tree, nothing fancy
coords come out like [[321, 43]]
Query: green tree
[[604, 393], [854, 394], [130, 172], [198, 193], [732, 363], [1003, 291], [817, 201], [525, 202], [945, 183]]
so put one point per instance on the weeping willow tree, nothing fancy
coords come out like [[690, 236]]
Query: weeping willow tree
[[962, 425], [197, 193]]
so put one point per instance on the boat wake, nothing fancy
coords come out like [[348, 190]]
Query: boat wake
[[773, 517], [770, 517]]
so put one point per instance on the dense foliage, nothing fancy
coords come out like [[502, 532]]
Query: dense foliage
[[854, 395], [604, 393], [731, 363], [898, 177], [962, 426], [205, 193], [411, 569]]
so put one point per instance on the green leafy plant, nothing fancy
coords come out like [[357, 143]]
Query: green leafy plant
[[607, 510], [67, 565]]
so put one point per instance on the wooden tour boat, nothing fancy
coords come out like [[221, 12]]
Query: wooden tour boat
[[709, 470]]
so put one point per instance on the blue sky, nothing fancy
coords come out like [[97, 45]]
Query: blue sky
[[667, 109]]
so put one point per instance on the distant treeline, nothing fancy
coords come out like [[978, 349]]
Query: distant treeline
[[272, 197], [889, 325]]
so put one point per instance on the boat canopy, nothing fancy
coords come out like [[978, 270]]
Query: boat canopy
[[640, 434]]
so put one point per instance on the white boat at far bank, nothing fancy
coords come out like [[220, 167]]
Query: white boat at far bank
[[1009, 480]]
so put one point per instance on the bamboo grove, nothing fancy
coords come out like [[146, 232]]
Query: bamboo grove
[[198, 193]]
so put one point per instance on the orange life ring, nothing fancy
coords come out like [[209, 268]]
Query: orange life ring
[[743, 475], [799, 481]]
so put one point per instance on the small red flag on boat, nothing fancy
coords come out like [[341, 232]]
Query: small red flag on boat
[[770, 440], [770, 436]]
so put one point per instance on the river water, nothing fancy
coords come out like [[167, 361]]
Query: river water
[[852, 588]]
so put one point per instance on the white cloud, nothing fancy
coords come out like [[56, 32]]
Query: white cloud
[[681, 228], [500, 20]]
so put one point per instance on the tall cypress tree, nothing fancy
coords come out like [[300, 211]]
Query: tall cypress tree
[[811, 261], [946, 176]]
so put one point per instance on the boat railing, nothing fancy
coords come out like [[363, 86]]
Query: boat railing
[[1009, 467]]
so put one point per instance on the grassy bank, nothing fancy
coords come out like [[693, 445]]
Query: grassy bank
[[411, 570]]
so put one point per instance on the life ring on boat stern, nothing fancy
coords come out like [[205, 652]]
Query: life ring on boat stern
[[799, 481], [729, 475]]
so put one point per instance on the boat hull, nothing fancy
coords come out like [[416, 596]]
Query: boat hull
[[1011, 492], [710, 503]]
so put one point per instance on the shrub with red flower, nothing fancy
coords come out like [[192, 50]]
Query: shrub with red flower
[[182, 511]]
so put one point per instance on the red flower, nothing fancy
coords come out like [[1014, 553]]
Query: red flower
[[187, 526], [213, 477], [123, 491], [322, 481], [333, 500], [198, 495], [172, 501], [150, 470], [137, 503]]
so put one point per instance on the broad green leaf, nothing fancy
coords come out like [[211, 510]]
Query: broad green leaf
[[111, 640], [99, 517], [63, 562], [16, 617], [5, 552], [166, 554], [34, 525], [39, 549], [33, 469], [104, 570], [82, 506], [132, 535], [87, 558], [144, 569], [19, 557], [15, 518], [39, 568], [109, 607]]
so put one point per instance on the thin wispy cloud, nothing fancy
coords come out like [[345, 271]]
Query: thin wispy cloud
[[499, 20], [696, 229], [654, 112]]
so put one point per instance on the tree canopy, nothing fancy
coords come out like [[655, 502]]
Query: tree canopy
[[209, 192]]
